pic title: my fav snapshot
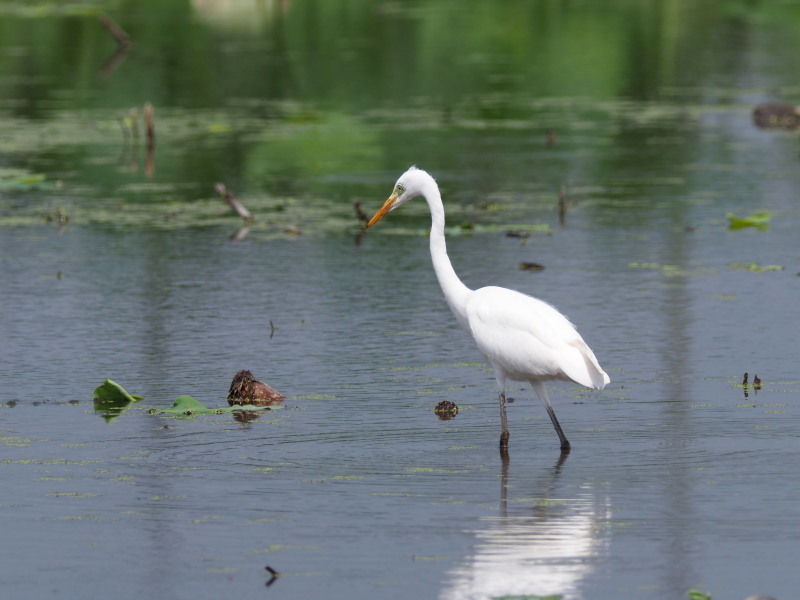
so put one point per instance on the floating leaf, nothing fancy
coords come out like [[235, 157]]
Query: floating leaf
[[757, 220], [755, 267], [187, 405], [21, 180], [697, 595], [111, 399], [111, 392]]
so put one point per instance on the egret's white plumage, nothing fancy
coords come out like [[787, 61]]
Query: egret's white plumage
[[523, 338]]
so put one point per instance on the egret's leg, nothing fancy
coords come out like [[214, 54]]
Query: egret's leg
[[540, 390], [503, 421]]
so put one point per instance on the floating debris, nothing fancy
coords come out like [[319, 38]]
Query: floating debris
[[246, 389], [274, 575], [562, 205], [755, 267], [758, 220], [530, 266], [362, 217], [233, 201], [111, 399], [119, 34], [446, 410], [776, 116], [150, 132], [746, 387]]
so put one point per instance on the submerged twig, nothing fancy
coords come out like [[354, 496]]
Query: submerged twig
[[240, 234]]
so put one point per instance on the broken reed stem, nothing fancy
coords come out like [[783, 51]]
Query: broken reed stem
[[233, 201], [149, 127], [150, 132], [123, 39]]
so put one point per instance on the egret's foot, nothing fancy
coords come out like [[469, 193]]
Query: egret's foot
[[565, 446], [504, 439]]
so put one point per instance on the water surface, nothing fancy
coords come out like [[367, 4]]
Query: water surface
[[680, 477]]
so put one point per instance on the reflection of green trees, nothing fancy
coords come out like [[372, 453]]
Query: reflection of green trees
[[356, 55], [312, 90]]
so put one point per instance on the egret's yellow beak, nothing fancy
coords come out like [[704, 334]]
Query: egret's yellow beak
[[387, 206]]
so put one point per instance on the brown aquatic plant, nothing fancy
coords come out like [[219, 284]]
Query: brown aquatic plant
[[776, 115], [446, 410], [363, 218], [530, 266], [150, 132], [246, 389]]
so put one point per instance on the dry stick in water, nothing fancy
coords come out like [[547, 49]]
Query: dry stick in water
[[126, 139], [134, 115], [362, 217], [233, 201], [562, 205], [149, 125], [123, 39], [124, 45]]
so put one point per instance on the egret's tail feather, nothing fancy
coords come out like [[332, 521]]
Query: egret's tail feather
[[588, 372]]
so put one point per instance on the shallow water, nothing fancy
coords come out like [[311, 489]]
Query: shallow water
[[680, 477]]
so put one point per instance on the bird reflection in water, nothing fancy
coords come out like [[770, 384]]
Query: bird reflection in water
[[548, 548]]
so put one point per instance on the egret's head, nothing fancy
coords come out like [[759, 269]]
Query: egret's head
[[410, 185]]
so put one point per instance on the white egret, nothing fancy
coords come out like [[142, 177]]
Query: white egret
[[523, 338]]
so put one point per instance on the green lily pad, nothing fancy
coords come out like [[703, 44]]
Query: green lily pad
[[755, 267], [187, 405], [20, 180], [111, 399], [757, 220]]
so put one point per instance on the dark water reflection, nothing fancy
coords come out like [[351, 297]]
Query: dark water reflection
[[355, 488]]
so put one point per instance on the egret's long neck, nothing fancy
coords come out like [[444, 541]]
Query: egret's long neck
[[455, 292]]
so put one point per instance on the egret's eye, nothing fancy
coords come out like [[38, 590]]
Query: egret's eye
[[399, 189]]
